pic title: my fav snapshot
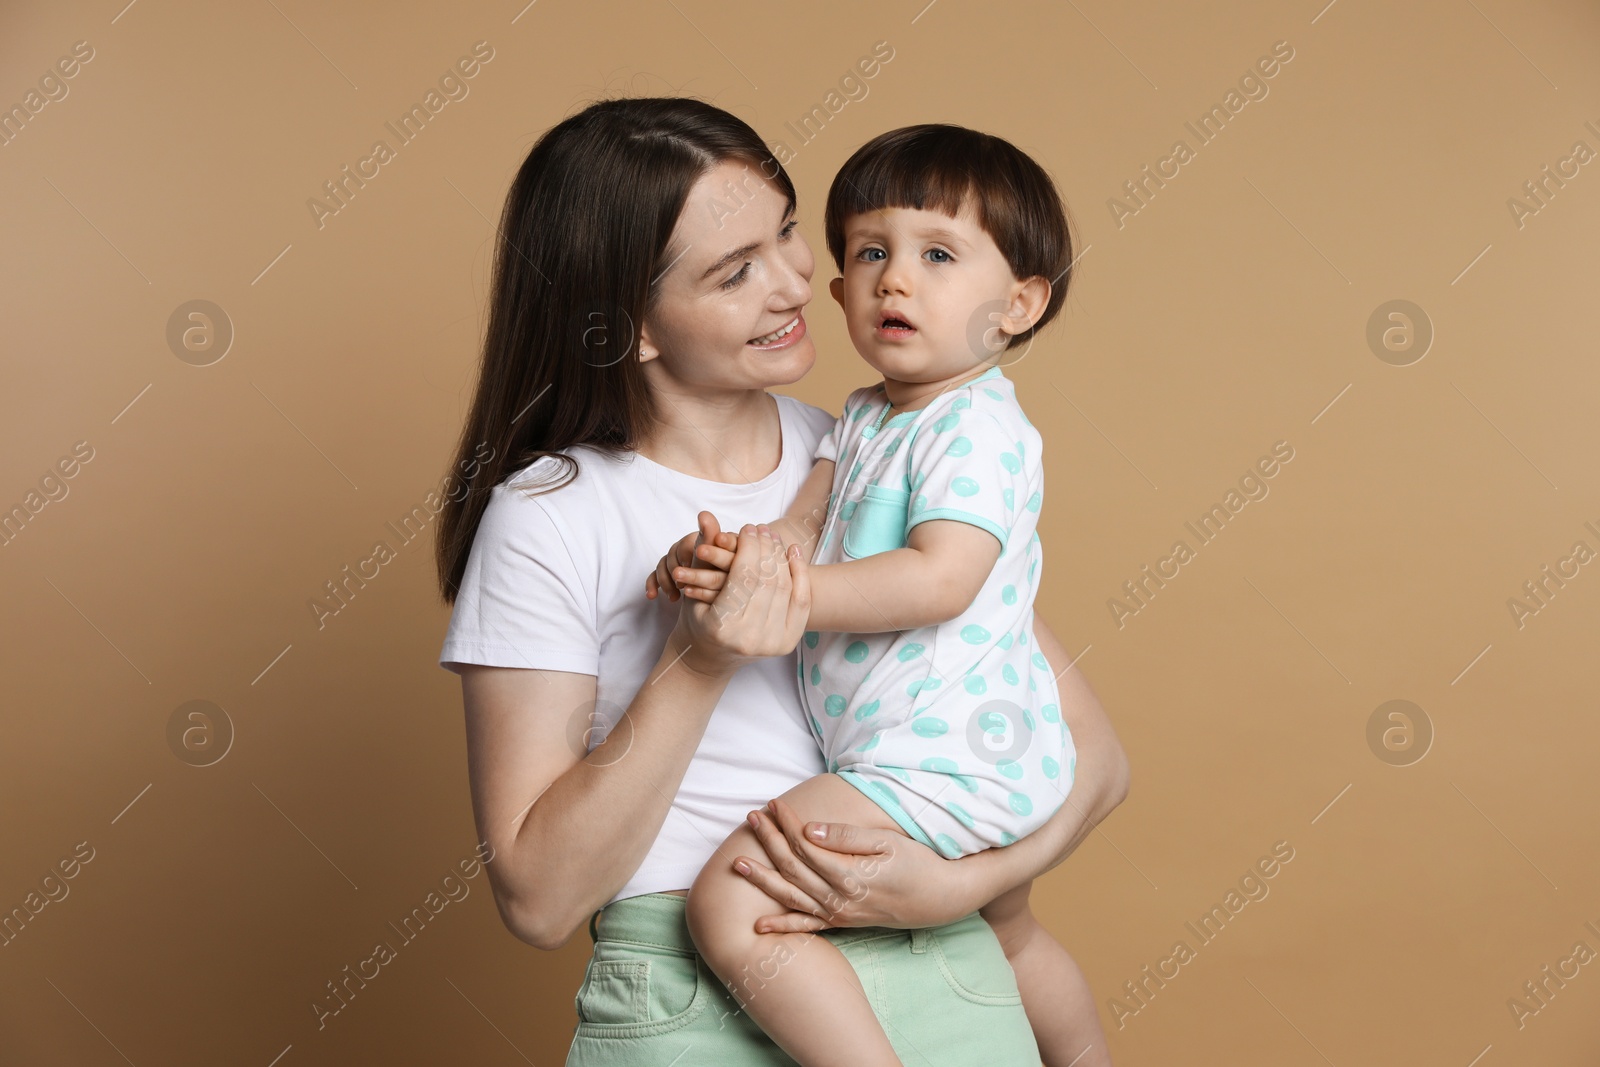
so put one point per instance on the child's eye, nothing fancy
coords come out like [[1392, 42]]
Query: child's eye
[[733, 282], [939, 252], [868, 254]]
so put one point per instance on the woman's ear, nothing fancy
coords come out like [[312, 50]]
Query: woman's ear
[[647, 347], [836, 290], [1028, 300]]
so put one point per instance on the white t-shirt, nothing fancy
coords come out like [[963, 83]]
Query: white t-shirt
[[556, 582]]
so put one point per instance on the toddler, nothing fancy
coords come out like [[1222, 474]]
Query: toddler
[[936, 713]]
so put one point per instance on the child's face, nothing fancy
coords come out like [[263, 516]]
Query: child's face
[[928, 297]]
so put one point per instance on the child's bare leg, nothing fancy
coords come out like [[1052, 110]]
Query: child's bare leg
[[797, 986], [1055, 994]]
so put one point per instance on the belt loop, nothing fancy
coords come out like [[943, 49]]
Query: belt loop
[[919, 940], [593, 935]]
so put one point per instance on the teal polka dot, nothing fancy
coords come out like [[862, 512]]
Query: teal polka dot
[[1020, 803], [1038, 660], [973, 634], [975, 684], [1005, 641], [856, 470], [866, 711], [1052, 769], [860, 412], [910, 652], [947, 422], [894, 446], [966, 782], [1033, 686], [833, 767], [992, 722], [916, 482], [869, 432], [961, 403], [834, 705], [848, 510], [1010, 768], [1008, 595], [961, 815], [816, 727], [964, 486], [961, 446], [1010, 462], [871, 742], [883, 793], [1072, 766], [930, 727], [939, 764], [812, 637], [1008, 498], [947, 846], [1007, 837], [1050, 713], [1020, 452], [816, 674], [1033, 502], [1027, 719], [899, 773], [1009, 673], [1031, 568], [856, 652], [919, 504], [992, 394]]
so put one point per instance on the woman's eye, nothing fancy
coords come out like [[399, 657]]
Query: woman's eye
[[733, 282], [936, 252], [785, 233]]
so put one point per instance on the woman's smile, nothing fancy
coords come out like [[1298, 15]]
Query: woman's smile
[[790, 333]]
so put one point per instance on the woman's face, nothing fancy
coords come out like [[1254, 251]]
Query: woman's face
[[739, 274]]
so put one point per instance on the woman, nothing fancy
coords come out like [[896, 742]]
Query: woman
[[649, 288]]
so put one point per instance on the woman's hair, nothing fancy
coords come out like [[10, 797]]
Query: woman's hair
[[583, 238], [939, 167]]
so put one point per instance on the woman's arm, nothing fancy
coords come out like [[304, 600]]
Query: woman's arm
[[852, 876], [549, 807]]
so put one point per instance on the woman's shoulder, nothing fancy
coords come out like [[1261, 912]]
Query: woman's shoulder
[[814, 421]]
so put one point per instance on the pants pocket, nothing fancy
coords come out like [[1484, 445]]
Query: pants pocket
[[973, 963], [614, 991], [879, 522]]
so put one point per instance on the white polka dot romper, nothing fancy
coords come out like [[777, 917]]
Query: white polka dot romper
[[955, 729]]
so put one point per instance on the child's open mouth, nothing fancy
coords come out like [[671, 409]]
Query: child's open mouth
[[891, 325]]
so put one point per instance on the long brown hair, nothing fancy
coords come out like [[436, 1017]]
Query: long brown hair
[[583, 236]]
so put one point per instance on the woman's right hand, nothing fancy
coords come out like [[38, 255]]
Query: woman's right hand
[[760, 611]]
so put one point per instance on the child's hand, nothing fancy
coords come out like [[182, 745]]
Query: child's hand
[[705, 581], [683, 555]]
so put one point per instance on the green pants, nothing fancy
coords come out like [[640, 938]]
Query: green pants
[[944, 995]]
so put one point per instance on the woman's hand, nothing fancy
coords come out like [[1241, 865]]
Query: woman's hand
[[852, 876], [760, 611]]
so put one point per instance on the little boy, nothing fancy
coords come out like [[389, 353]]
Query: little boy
[[936, 713]]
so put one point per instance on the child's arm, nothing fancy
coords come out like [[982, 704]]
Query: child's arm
[[932, 580], [802, 523]]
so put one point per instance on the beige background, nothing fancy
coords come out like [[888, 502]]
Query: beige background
[[1229, 313]]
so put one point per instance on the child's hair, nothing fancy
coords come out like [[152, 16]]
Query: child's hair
[[940, 167]]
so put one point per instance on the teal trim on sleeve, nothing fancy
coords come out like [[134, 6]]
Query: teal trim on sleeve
[[960, 516], [894, 811]]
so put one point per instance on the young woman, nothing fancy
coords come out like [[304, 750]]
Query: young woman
[[649, 288]]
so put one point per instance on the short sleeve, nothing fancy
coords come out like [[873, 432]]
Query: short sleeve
[[523, 600], [828, 447], [969, 466]]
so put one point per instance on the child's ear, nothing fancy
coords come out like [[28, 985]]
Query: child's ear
[[1028, 302], [836, 290]]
